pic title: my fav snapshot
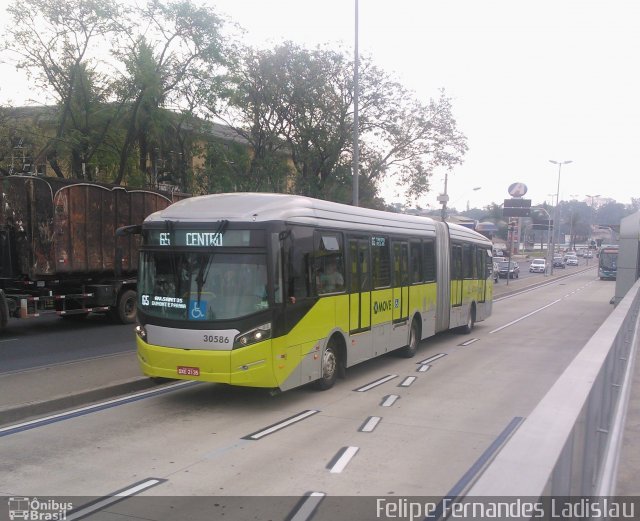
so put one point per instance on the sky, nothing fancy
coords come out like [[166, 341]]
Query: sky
[[530, 82]]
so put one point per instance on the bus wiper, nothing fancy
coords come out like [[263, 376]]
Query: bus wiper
[[203, 271]]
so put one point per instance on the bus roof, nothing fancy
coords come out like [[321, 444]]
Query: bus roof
[[296, 209]]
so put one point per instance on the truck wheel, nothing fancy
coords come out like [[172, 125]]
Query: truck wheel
[[125, 310], [4, 311]]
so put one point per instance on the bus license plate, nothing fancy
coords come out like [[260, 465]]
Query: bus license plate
[[188, 371]]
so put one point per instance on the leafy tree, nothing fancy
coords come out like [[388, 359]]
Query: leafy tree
[[298, 100], [180, 46], [53, 40], [611, 214]]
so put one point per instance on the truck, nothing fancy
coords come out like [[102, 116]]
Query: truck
[[59, 252]]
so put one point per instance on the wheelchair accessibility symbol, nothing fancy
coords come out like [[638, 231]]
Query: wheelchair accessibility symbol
[[197, 310]]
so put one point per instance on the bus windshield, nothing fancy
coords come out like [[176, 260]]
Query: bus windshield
[[608, 260], [202, 286]]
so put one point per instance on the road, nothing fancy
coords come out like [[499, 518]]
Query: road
[[228, 445], [43, 341]]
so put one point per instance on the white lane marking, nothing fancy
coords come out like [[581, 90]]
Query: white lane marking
[[371, 423], [407, 381], [432, 358], [278, 426], [103, 503], [308, 507], [525, 316], [347, 454], [376, 383], [469, 342], [389, 400], [97, 406], [8, 340], [423, 368]]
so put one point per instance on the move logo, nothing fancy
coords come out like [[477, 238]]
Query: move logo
[[384, 305]]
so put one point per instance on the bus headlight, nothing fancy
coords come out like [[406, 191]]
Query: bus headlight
[[141, 332], [257, 334]]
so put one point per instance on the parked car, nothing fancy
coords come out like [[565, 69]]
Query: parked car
[[538, 266], [558, 262], [508, 269]]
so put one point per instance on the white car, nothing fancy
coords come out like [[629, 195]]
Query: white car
[[571, 260], [538, 266]]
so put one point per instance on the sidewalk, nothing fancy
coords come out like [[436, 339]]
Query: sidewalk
[[36, 392]]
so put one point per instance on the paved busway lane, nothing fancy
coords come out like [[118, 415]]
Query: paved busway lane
[[424, 442]]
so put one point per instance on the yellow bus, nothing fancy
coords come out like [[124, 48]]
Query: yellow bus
[[277, 291]]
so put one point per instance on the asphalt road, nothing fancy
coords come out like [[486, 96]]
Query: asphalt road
[[45, 341], [213, 451]]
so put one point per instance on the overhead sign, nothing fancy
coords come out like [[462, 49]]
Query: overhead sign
[[542, 224], [517, 189], [516, 208]]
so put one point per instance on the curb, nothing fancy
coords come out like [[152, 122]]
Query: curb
[[26, 411]]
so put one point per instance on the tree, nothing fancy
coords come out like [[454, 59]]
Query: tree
[[53, 40], [298, 100], [180, 46], [611, 214]]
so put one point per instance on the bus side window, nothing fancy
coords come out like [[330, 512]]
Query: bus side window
[[300, 263], [467, 261], [429, 260], [381, 261], [415, 262], [328, 262]]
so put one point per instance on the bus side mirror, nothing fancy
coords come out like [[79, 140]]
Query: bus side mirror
[[133, 229]]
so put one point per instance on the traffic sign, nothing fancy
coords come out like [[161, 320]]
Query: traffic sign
[[516, 207]]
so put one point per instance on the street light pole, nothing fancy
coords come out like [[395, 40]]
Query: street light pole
[[591, 216], [444, 198], [549, 253], [356, 151], [556, 224]]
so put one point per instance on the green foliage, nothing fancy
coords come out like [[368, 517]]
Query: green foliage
[[303, 99]]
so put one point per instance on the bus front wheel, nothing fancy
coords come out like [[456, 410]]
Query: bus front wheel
[[329, 367]]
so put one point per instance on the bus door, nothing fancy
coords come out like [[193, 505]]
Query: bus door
[[456, 275], [481, 272], [400, 303], [360, 285]]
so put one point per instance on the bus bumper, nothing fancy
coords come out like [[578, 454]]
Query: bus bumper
[[248, 366]]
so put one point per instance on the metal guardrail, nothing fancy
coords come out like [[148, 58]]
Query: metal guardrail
[[571, 442]]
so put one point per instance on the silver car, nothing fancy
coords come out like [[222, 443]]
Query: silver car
[[538, 266], [571, 260]]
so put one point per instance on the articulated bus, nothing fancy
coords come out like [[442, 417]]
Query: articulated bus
[[608, 262], [277, 291]]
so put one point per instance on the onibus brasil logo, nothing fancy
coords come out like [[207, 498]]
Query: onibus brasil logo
[[36, 509]]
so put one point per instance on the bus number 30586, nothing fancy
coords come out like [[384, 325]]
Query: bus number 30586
[[215, 339]]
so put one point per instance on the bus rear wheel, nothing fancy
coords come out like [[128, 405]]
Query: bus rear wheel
[[411, 348], [329, 367], [471, 320]]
